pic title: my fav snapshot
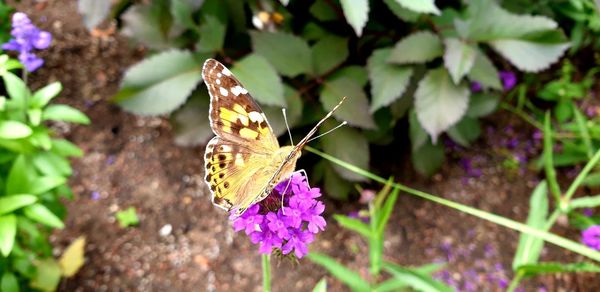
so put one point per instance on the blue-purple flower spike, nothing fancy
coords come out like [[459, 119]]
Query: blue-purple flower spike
[[26, 38], [289, 229]]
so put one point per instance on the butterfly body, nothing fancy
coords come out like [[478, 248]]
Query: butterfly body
[[243, 162]]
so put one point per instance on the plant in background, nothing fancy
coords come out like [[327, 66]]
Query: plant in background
[[34, 169], [380, 210], [292, 59], [127, 217], [5, 12]]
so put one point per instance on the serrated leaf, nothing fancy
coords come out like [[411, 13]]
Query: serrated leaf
[[418, 47], [191, 123], [358, 74], [418, 136], [335, 186], [482, 104], [421, 6], [355, 109], [552, 267], [149, 24], [329, 52], [439, 102], [8, 231], [388, 81], [148, 91], [465, 132], [93, 11], [484, 72], [63, 112], [73, 257], [47, 275], [261, 80], [428, 158], [14, 202], [530, 247], [183, 10], [293, 111], [529, 56], [41, 214], [459, 58], [290, 55], [322, 11], [212, 35], [14, 130], [356, 13], [340, 272], [401, 12], [337, 143]]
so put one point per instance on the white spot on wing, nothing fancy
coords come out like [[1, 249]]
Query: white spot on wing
[[223, 91], [255, 117], [237, 90], [219, 74], [226, 148], [226, 72], [218, 81], [239, 159]]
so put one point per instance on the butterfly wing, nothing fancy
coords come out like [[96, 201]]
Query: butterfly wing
[[239, 160]]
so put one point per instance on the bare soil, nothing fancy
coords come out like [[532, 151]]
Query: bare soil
[[133, 161]]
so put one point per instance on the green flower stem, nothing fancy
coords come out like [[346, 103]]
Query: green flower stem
[[549, 237], [515, 282], [266, 267]]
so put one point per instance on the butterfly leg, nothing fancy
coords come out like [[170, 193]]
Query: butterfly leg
[[302, 171]]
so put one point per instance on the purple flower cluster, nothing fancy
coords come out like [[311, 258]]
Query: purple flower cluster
[[591, 237], [290, 228], [27, 37], [508, 78]]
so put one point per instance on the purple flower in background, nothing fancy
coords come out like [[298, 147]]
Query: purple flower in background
[[26, 38], [476, 86], [588, 212], [509, 80], [591, 237], [290, 228]]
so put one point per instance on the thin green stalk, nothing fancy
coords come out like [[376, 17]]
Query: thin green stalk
[[515, 282], [549, 160], [522, 115], [581, 176], [266, 267], [553, 217], [549, 237]]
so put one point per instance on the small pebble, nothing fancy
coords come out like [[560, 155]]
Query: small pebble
[[165, 230]]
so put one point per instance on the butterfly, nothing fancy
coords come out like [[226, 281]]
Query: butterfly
[[243, 162]]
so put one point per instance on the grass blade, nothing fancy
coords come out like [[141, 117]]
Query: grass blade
[[349, 277]]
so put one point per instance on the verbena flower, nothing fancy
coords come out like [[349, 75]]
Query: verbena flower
[[591, 237], [509, 80], [289, 229], [26, 38]]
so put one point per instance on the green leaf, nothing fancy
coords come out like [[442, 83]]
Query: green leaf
[[17, 90], [583, 202], [416, 280], [51, 164], [421, 6], [529, 56], [47, 275], [347, 276], [353, 224], [459, 58], [149, 25], [583, 130], [62, 112], [148, 91], [337, 143], [322, 11], [41, 214], [41, 97], [335, 186], [358, 74], [9, 283], [552, 267], [63, 147], [8, 230], [73, 257], [127, 217], [401, 12], [418, 136], [321, 286], [529, 248], [439, 102], [419, 47], [482, 104], [428, 158], [592, 180], [35, 116], [355, 109], [14, 130], [465, 132], [388, 81], [191, 122], [290, 55], [328, 53], [14, 202], [93, 12], [548, 159], [356, 13], [212, 35], [183, 10], [484, 72], [261, 80], [293, 111], [44, 184], [19, 176], [386, 211]]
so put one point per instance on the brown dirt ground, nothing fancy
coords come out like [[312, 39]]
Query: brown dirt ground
[[132, 161]]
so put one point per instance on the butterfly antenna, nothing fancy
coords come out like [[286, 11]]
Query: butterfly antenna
[[316, 127], [321, 135], [287, 126]]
